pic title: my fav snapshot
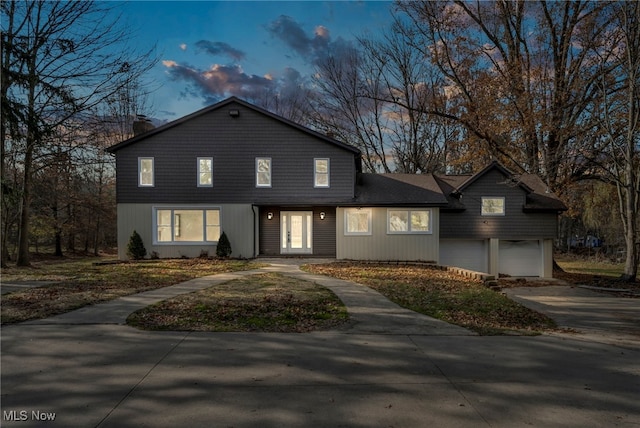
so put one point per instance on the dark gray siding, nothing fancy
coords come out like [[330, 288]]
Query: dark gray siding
[[515, 224], [324, 231], [234, 143], [269, 232]]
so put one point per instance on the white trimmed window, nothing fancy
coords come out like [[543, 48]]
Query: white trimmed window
[[145, 172], [493, 206], [186, 225], [408, 221], [357, 221], [321, 172], [263, 172], [205, 172]]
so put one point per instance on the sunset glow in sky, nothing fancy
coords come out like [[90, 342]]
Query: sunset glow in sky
[[209, 50]]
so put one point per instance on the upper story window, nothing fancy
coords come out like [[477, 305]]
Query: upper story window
[[408, 221], [263, 172], [321, 172], [145, 172], [205, 172], [357, 221], [493, 206]]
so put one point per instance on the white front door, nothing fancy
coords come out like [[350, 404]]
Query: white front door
[[296, 232]]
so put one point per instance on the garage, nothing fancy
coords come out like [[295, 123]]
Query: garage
[[520, 258], [472, 254]]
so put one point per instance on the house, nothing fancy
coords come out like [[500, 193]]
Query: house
[[499, 222], [279, 189]]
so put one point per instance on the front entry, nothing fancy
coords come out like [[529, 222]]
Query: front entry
[[296, 232]]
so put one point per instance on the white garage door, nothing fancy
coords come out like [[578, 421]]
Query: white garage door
[[520, 258], [465, 253]]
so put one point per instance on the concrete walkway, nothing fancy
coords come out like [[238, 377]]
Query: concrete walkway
[[369, 311], [390, 367]]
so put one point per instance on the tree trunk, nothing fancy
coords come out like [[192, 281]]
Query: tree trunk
[[631, 25], [631, 214], [7, 41], [5, 254], [33, 138], [56, 222], [71, 234], [23, 240], [631, 262], [96, 237], [58, 243]]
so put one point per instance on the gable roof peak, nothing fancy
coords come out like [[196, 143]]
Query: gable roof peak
[[245, 104], [491, 166]]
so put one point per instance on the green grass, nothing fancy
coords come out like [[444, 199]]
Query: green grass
[[443, 295], [265, 302], [589, 266]]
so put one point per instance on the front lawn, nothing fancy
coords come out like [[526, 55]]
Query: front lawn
[[443, 295], [581, 270], [267, 302], [81, 282]]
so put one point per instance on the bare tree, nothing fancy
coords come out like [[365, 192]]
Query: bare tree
[[417, 138], [351, 106], [110, 123], [290, 98], [522, 74], [376, 96], [59, 60], [620, 123]]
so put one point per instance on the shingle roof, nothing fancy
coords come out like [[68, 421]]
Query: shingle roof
[[426, 190], [449, 184], [398, 190], [538, 196]]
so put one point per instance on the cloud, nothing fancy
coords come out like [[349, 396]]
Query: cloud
[[322, 32], [218, 81], [220, 48], [183, 46], [312, 48], [290, 82]]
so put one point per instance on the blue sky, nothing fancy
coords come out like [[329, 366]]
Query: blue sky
[[212, 49]]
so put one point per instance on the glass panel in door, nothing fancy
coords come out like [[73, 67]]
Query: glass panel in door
[[296, 232]]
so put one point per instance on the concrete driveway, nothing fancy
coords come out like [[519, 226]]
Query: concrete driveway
[[389, 368], [585, 314]]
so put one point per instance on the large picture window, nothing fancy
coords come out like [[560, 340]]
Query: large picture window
[[185, 225], [263, 172], [408, 221], [145, 172], [357, 221]]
